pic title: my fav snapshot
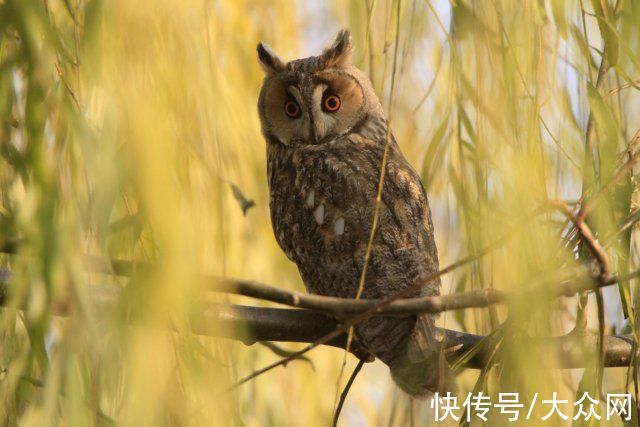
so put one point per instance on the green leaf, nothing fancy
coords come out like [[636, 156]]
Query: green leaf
[[69, 8], [434, 153], [282, 352], [608, 133], [581, 44], [243, 201], [606, 24], [466, 22], [560, 17], [623, 194], [466, 123]]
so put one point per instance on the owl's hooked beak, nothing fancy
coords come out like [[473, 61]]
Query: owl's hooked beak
[[313, 130], [319, 129]]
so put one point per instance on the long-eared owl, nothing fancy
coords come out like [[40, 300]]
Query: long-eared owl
[[326, 132]]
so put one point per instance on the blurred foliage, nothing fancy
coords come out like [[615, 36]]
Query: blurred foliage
[[128, 130]]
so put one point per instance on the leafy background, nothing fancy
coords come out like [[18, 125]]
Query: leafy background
[[129, 130]]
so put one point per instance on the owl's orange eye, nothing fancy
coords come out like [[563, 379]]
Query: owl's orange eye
[[292, 109], [331, 103]]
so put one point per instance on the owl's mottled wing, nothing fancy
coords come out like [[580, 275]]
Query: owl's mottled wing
[[323, 202]]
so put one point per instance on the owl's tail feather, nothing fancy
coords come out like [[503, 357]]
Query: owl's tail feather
[[422, 369]]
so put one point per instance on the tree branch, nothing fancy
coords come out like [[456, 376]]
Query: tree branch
[[562, 283], [566, 282], [253, 324]]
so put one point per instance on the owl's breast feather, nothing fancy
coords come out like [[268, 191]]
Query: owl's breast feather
[[322, 205]]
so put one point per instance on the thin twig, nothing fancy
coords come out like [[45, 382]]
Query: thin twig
[[587, 237], [603, 261], [347, 387], [622, 172]]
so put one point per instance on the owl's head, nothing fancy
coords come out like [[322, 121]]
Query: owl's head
[[316, 99]]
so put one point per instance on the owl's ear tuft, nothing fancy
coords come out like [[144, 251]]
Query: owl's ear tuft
[[339, 52], [269, 61]]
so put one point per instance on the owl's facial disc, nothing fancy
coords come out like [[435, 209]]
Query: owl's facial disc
[[313, 100], [337, 103], [283, 110], [312, 108]]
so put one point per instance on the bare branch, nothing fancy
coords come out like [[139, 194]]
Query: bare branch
[[254, 324], [562, 283], [278, 324]]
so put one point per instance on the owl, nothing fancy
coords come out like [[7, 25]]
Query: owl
[[325, 132]]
